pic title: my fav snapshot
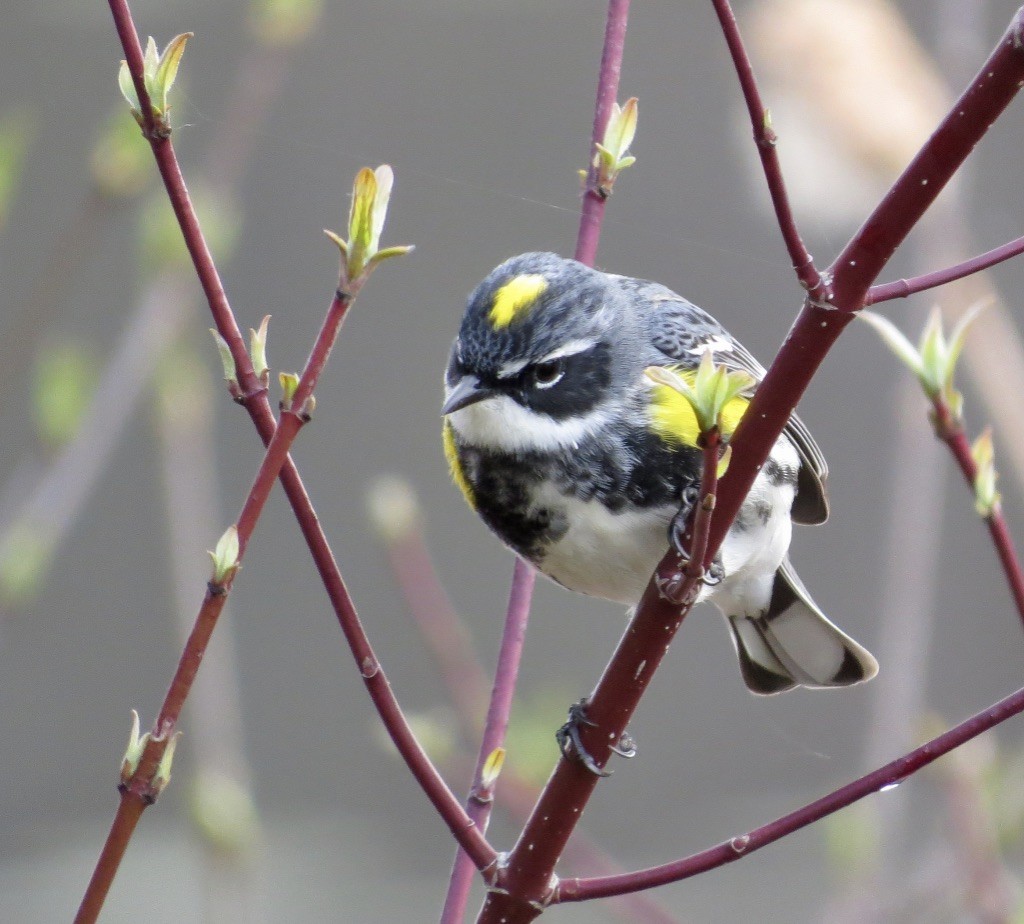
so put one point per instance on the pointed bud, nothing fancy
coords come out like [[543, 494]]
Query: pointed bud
[[986, 497], [491, 769], [133, 753], [368, 211], [612, 155], [226, 359], [163, 771], [258, 349], [225, 557], [159, 71], [934, 359], [709, 391], [289, 383]]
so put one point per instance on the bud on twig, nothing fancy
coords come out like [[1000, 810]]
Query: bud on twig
[[934, 359], [986, 497], [612, 155], [227, 360], [258, 350], [713, 399], [225, 557], [159, 72], [371, 192]]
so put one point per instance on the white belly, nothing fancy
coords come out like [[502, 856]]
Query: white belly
[[612, 555], [605, 554]]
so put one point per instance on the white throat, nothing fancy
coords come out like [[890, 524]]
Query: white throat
[[499, 422]]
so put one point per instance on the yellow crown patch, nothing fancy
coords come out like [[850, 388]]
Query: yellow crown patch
[[516, 298]]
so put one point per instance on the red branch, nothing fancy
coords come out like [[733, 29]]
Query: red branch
[[576, 890], [526, 883], [594, 199], [818, 326], [765, 139], [276, 462], [528, 876], [481, 796], [902, 288], [951, 432]]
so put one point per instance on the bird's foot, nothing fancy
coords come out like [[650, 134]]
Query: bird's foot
[[671, 585], [569, 743]]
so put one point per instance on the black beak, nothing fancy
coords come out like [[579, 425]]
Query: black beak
[[468, 390]]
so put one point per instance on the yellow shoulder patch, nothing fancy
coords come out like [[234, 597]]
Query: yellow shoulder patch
[[516, 298], [672, 416], [452, 455]]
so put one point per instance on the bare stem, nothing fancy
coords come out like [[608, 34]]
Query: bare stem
[[527, 878], [766, 140], [444, 632], [526, 883], [951, 432], [902, 288], [594, 199], [817, 327], [276, 462], [573, 890], [481, 796]]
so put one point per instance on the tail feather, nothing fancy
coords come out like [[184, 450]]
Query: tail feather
[[794, 644]]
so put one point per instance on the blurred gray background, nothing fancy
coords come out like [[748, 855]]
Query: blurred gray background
[[484, 110]]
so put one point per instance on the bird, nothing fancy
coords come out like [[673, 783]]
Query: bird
[[579, 463]]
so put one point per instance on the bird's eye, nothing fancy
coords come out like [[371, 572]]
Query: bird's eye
[[544, 375]]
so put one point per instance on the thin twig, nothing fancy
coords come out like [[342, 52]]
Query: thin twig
[[276, 462], [451, 644], [481, 795], [817, 327], [902, 288], [594, 199], [815, 331], [950, 430], [894, 773], [766, 140], [526, 883]]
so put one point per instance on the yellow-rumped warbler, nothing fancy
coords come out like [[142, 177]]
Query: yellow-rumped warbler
[[579, 463]]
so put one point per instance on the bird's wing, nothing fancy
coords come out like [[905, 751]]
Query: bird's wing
[[683, 332]]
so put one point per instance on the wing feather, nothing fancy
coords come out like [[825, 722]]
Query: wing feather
[[682, 332]]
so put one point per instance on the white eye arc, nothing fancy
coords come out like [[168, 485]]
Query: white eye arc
[[547, 374]]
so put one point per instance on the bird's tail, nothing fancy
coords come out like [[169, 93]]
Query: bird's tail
[[794, 644]]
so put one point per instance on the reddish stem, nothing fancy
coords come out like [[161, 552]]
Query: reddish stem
[[594, 199], [951, 432], [526, 882], [902, 288], [276, 462], [765, 140], [481, 796], [818, 327], [444, 632], [138, 792], [574, 890]]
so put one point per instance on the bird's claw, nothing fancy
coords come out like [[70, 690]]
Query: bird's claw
[[569, 743], [677, 538]]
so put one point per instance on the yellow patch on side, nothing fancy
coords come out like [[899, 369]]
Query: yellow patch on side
[[454, 466], [516, 298], [672, 416]]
